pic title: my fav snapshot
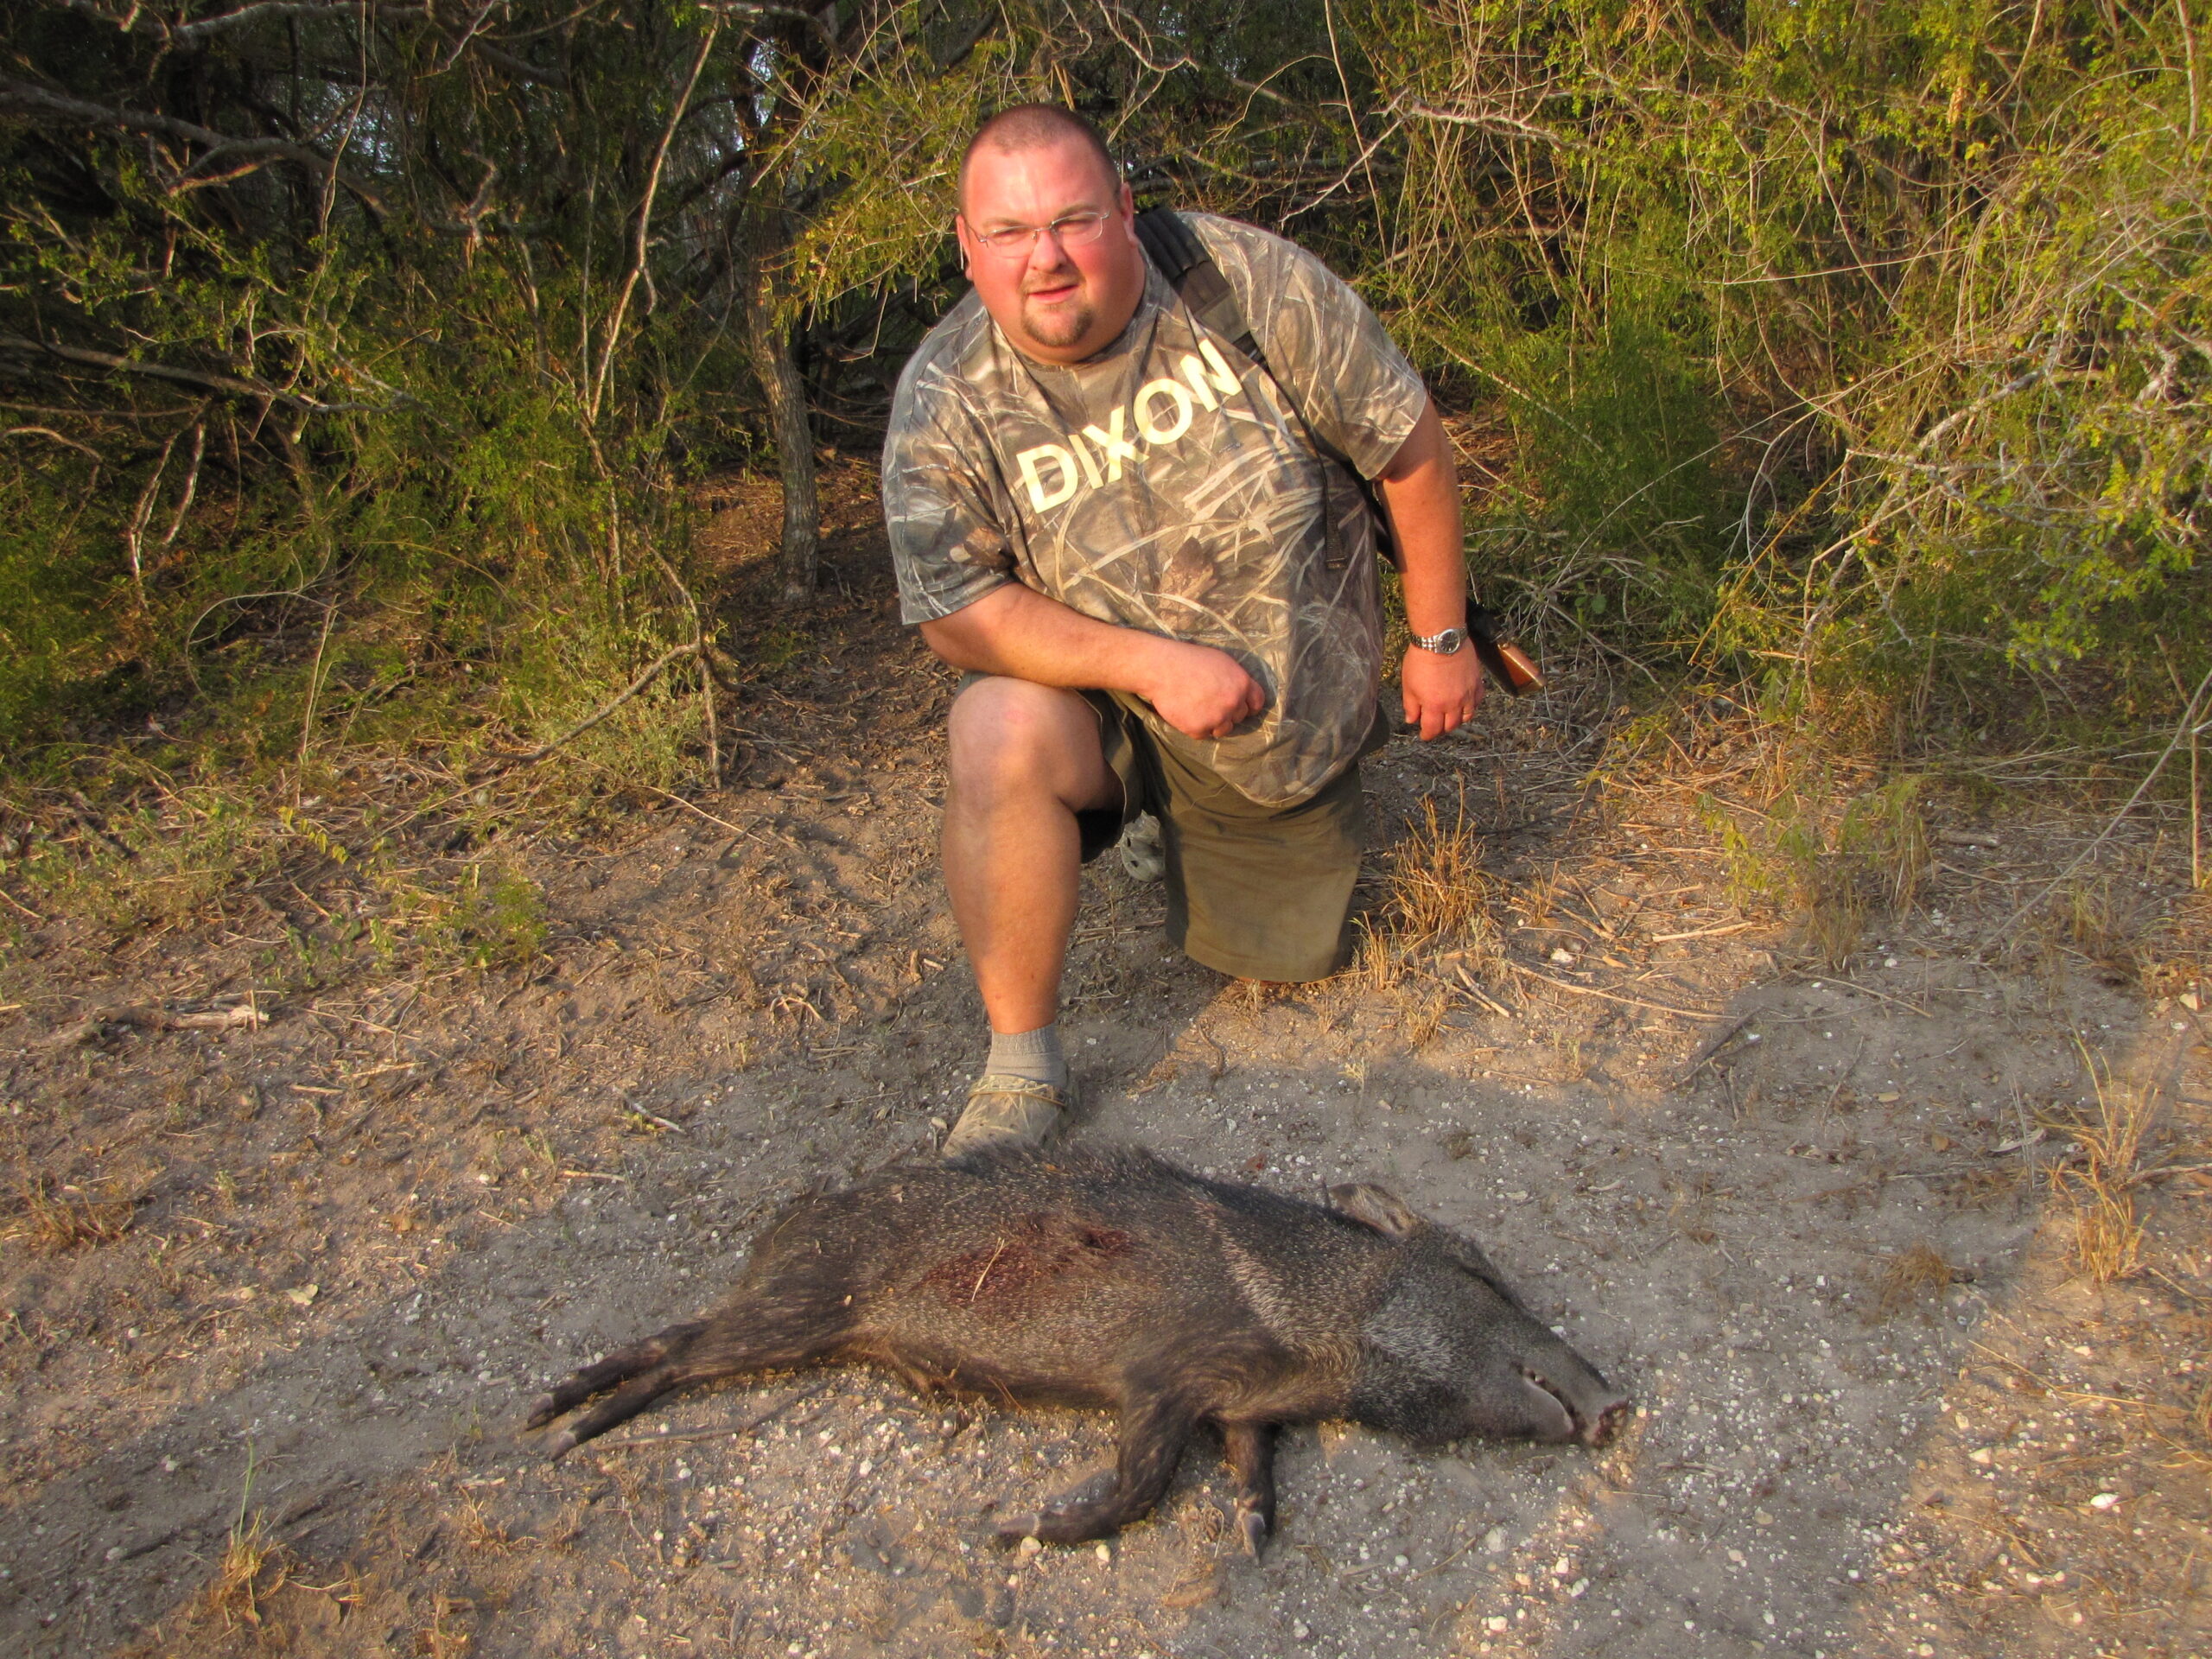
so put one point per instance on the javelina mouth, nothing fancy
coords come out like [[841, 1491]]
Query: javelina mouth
[[1600, 1429], [1590, 1421]]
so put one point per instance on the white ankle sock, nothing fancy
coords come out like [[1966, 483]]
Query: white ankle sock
[[1033, 1054]]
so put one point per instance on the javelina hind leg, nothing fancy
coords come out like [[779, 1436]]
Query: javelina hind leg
[[617, 1367], [1250, 1448], [1153, 1429], [750, 1337]]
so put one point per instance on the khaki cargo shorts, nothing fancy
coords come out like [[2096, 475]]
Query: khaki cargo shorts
[[1254, 892]]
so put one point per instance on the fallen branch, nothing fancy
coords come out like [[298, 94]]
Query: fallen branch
[[660, 666], [2188, 727], [1592, 990], [243, 1017]]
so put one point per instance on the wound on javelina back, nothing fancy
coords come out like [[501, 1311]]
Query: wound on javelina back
[[1037, 1254], [1116, 1279]]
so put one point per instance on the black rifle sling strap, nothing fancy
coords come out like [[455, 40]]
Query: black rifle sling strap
[[1174, 247], [1191, 272]]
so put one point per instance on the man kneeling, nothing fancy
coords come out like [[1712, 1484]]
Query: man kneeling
[[1148, 549]]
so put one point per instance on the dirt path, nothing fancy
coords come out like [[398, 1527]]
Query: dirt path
[[294, 1286]]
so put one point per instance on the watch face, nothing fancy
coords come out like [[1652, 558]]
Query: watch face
[[1443, 643]]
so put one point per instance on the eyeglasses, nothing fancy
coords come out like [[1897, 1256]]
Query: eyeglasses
[[1016, 241]]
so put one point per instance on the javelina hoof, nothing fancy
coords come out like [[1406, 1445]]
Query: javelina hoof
[[1253, 1527], [1060, 1521]]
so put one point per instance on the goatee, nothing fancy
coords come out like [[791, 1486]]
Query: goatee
[[1060, 326]]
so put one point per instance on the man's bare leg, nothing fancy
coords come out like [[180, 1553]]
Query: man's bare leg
[[1026, 759]]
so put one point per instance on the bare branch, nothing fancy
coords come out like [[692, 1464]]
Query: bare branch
[[48, 432], [645, 217], [259, 390], [22, 99]]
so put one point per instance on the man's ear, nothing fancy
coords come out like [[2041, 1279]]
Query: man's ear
[[1371, 1206]]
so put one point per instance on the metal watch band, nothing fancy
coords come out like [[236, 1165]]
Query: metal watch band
[[1446, 643]]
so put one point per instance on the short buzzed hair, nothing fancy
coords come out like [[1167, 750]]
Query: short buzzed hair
[[1030, 127]]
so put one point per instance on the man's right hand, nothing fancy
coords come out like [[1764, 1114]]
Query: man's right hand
[[1015, 631], [1200, 692]]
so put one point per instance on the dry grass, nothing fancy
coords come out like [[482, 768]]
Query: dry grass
[[1437, 887], [443, 1637], [1835, 915], [253, 1566], [1423, 1019], [1836, 872], [2110, 1138], [1913, 1276], [54, 1221], [1436, 919]]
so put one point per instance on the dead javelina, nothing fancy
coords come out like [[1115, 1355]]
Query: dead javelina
[[1116, 1279]]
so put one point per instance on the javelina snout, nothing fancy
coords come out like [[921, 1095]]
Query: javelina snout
[[1118, 1280], [1453, 1350]]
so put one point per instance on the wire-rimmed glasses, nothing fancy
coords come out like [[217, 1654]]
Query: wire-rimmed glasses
[[1018, 241]]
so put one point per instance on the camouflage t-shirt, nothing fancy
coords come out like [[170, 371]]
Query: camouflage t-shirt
[[1166, 484]]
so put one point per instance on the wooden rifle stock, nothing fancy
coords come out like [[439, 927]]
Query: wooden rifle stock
[[1505, 662]]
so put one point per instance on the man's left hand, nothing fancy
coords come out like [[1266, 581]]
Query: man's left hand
[[1442, 693]]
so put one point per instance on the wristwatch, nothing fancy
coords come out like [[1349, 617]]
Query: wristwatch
[[1445, 644]]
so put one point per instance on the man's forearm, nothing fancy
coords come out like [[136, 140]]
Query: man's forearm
[[1020, 633], [1421, 488]]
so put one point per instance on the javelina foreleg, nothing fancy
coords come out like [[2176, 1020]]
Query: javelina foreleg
[[1154, 1430], [1250, 1448]]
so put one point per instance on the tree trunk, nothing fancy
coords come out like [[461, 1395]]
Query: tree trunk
[[768, 345]]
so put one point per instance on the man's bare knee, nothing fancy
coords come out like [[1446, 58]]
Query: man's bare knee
[[1011, 737]]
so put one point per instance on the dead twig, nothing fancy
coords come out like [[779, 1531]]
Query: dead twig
[[243, 1017], [654, 1118], [1710, 1049], [1467, 980]]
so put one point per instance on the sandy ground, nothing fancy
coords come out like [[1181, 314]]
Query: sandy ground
[[317, 1271]]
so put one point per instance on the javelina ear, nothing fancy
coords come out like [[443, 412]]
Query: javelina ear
[[1371, 1206]]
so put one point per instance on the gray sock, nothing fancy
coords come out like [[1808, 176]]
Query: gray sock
[[1033, 1054]]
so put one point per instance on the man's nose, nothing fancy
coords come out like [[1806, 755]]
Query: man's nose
[[1046, 255]]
